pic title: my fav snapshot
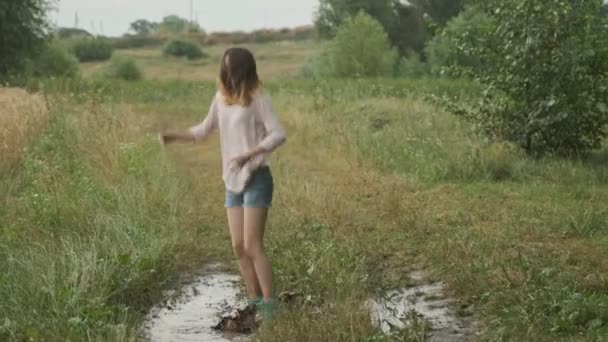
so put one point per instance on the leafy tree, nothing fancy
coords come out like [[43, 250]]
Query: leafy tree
[[547, 85], [143, 27], [442, 50], [23, 30], [409, 32], [402, 22], [174, 24], [440, 11], [332, 13]]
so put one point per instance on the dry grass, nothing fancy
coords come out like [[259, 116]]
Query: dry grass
[[22, 117]]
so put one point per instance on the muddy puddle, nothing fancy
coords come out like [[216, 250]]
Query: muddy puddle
[[210, 300], [210, 309], [425, 301]]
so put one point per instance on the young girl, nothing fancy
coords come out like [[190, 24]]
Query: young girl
[[249, 132]]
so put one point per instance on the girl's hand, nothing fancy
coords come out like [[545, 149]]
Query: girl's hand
[[240, 160], [167, 138]]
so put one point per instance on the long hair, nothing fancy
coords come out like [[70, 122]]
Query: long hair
[[238, 77]]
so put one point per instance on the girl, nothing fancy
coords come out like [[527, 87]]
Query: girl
[[249, 132]]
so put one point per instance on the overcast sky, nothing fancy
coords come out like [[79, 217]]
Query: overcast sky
[[112, 17]]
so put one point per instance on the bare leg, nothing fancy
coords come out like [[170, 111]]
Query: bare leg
[[235, 223], [255, 222]]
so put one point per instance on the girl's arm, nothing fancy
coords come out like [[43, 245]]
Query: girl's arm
[[194, 134], [275, 134]]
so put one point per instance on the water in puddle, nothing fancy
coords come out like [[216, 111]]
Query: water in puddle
[[193, 316], [427, 301]]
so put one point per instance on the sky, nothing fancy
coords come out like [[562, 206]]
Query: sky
[[112, 17]]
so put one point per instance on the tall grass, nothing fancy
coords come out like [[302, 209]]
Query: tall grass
[[22, 118], [375, 181], [93, 229], [518, 238]]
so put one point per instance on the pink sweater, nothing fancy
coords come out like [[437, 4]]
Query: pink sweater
[[241, 130]]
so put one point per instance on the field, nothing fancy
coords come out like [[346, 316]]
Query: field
[[375, 181], [275, 61]]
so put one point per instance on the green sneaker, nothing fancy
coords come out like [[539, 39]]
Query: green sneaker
[[255, 303], [269, 309]]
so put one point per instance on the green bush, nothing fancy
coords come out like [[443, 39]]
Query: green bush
[[124, 68], [181, 48], [317, 66], [92, 49], [546, 76], [361, 48], [130, 41], [54, 61], [412, 66]]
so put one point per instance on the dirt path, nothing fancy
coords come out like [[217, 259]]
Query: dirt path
[[326, 182]]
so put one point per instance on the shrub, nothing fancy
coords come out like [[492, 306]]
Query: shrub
[[92, 49], [361, 48], [413, 67], [129, 41], [546, 87], [181, 48], [124, 68], [260, 36], [317, 66], [237, 37], [56, 62]]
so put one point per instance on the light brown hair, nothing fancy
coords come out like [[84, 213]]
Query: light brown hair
[[238, 77]]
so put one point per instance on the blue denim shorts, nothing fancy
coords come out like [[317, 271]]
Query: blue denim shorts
[[257, 194]]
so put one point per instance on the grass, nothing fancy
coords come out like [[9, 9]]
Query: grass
[[521, 240], [275, 61], [22, 117], [374, 182]]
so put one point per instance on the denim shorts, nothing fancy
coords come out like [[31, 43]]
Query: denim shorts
[[257, 194]]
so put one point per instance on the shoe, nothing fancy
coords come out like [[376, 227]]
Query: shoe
[[269, 309], [255, 303]]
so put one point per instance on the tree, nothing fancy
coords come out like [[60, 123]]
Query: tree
[[547, 85], [442, 50], [174, 24], [143, 27], [23, 30], [409, 32], [440, 11], [402, 22], [332, 13]]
